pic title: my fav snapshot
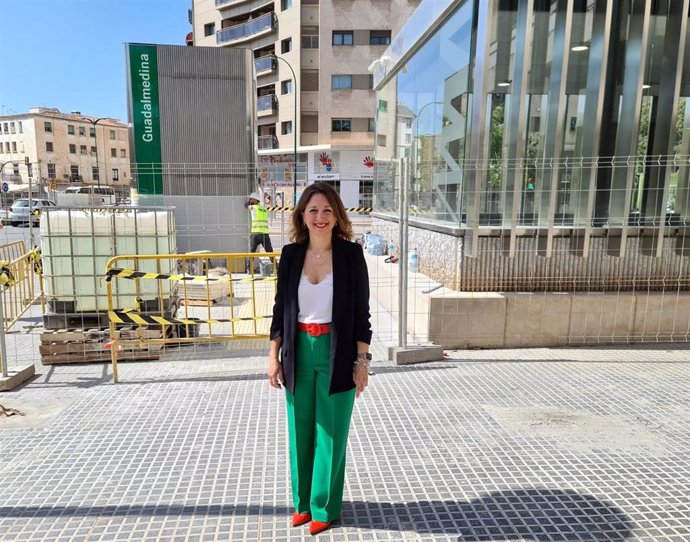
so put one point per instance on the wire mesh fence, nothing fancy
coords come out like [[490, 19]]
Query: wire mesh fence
[[552, 261]]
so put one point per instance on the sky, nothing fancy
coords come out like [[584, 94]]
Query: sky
[[69, 54]]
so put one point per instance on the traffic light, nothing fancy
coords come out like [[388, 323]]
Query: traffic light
[[26, 160]]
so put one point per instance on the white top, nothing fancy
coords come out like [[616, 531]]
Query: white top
[[315, 300]]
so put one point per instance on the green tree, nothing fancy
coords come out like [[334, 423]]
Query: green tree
[[496, 147]]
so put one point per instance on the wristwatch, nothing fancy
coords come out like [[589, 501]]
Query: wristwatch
[[365, 356]]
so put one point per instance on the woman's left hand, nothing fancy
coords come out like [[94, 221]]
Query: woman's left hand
[[361, 378]]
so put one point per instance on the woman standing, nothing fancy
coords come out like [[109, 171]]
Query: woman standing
[[319, 349]]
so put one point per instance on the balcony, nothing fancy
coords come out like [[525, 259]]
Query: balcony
[[220, 3], [265, 64], [266, 105], [251, 28], [268, 142]]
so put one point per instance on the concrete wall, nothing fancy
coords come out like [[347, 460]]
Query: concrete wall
[[462, 319], [509, 320]]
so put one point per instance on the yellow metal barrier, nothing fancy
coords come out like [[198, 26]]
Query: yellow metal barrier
[[12, 251], [21, 281], [187, 299]]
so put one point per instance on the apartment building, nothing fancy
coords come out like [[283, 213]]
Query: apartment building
[[57, 149], [316, 99]]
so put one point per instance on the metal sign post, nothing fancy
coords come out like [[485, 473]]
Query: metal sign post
[[3, 348], [404, 172]]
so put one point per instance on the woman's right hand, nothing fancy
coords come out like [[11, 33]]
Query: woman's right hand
[[275, 373]]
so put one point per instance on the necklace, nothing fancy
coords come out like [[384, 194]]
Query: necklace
[[318, 256]]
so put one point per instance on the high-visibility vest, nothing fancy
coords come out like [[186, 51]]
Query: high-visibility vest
[[259, 218]]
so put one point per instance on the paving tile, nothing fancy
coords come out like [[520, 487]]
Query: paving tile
[[535, 445]]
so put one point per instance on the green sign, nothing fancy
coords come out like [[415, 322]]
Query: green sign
[[143, 66]]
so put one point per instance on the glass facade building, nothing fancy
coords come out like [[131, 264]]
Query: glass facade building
[[544, 124]]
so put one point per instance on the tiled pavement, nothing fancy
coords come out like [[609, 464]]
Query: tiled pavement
[[549, 444]]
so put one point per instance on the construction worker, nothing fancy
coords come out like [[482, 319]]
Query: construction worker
[[259, 231]]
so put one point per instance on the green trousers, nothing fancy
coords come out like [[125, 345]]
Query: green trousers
[[318, 425]]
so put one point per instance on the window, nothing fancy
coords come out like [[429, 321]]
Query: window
[[92, 131], [112, 135], [372, 125], [93, 149], [74, 172], [82, 149], [285, 4], [380, 37], [123, 153], [70, 129], [381, 140], [286, 86], [49, 146], [371, 82], [383, 106], [310, 41], [7, 146], [286, 127], [341, 82], [51, 169], [286, 45], [116, 174], [47, 126], [342, 38], [113, 153], [408, 139], [82, 130], [12, 128], [95, 174], [209, 29], [408, 123], [14, 146], [72, 148], [21, 131], [5, 128], [341, 125]]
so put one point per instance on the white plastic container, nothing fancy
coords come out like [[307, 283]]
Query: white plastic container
[[77, 243]]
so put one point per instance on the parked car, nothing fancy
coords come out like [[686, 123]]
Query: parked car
[[19, 212]]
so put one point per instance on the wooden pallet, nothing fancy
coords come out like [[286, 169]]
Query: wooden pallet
[[88, 345], [89, 357]]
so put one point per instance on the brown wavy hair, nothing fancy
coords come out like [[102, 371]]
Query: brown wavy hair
[[343, 226]]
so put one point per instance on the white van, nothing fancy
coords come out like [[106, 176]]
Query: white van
[[106, 193]]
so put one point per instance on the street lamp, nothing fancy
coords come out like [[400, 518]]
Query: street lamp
[[95, 138], [294, 132]]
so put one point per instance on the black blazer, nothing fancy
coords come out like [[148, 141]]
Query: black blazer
[[350, 320]]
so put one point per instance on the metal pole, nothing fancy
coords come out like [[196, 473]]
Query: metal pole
[[294, 132], [402, 252], [95, 138], [31, 219], [3, 348]]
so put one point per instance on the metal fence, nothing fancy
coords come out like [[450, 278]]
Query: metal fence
[[528, 281]]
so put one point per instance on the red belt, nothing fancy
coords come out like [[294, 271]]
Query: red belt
[[314, 329]]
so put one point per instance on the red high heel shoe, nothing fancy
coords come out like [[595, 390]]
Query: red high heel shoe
[[300, 519], [316, 527]]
